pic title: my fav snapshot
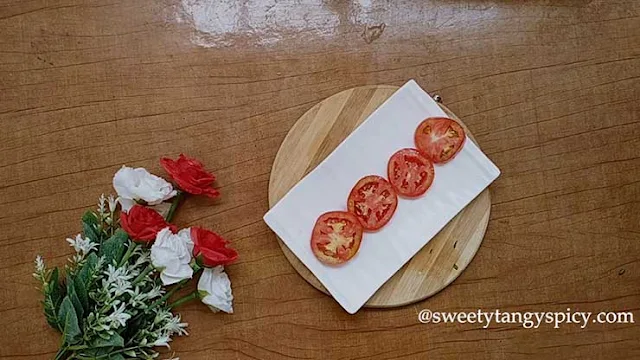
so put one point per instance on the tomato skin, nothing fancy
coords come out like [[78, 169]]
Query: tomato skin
[[405, 166], [439, 139], [336, 237], [372, 196]]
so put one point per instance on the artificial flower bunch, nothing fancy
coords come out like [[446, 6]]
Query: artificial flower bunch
[[114, 299]]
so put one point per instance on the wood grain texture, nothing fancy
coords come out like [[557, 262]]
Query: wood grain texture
[[314, 136], [550, 89]]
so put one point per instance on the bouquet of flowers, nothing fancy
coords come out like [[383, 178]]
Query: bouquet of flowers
[[113, 299]]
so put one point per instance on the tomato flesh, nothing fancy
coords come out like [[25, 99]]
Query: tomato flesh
[[336, 237], [373, 201], [439, 139], [410, 173]]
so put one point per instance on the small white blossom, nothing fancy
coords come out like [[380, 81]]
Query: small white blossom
[[40, 267], [118, 316], [120, 287], [162, 340], [81, 245], [155, 292], [216, 287], [116, 275], [101, 204], [138, 298], [174, 326], [113, 203], [162, 316], [142, 259]]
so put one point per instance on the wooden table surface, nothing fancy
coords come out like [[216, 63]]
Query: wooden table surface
[[551, 90]]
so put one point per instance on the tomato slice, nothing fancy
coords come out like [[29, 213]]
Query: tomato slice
[[336, 237], [439, 139], [373, 201], [410, 173]]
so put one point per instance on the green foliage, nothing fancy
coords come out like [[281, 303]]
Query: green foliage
[[88, 272], [53, 294], [109, 302], [75, 299], [90, 226], [81, 292], [114, 340], [113, 248], [71, 333]]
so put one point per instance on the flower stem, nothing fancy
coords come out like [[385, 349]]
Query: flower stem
[[61, 353], [192, 296], [166, 296], [111, 353], [174, 205], [143, 274], [127, 255]]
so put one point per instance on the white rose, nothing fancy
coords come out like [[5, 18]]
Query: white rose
[[170, 253], [138, 184], [215, 289], [185, 235]]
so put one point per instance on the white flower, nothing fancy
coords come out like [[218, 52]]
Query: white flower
[[138, 184], [162, 340], [185, 235], [101, 202], [117, 280], [155, 292], [137, 297], [215, 288], [174, 326], [170, 254], [82, 245], [40, 267], [162, 316], [118, 316], [121, 286], [141, 260], [113, 202]]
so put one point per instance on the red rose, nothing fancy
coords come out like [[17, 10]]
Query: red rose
[[190, 176], [211, 248], [142, 224]]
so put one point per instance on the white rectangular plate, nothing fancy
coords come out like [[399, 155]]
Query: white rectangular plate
[[365, 152]]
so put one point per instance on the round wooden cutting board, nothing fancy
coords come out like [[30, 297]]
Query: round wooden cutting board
[[314, 136]]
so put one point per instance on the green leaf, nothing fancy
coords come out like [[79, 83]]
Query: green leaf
[[90, 226], [75, 300], [81, 292], [52, 299], [114, 340], [104, 353], [71, 332], [130, 353], [96, 352], [88, 269], [113, 248], [54, 288]]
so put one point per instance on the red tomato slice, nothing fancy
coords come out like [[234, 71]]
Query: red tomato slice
[[373, 201], [336, 237], [439, 139], [410, 173]]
